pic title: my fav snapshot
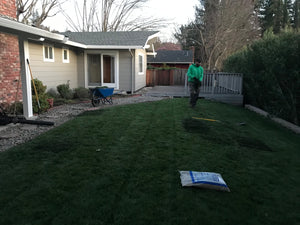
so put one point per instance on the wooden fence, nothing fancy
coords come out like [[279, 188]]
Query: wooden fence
[[213, 82], [165, 77]]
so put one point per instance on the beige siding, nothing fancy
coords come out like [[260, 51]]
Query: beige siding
[[125, 65], [140, 79], [53, 73], [80, 70]]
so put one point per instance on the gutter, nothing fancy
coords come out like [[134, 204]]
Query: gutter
[[149, 38], [172, 62], [113, 47]]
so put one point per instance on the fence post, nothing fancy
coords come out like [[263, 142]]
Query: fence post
[[186, 84], [213, 83]]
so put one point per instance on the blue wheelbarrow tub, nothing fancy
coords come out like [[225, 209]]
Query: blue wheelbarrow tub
[[104, 92]]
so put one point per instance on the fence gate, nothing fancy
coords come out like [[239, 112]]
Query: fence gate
[[165, 77]]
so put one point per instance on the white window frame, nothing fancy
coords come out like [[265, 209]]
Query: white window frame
[[63, 55], [48, 50], [143, 66], [111, 53]]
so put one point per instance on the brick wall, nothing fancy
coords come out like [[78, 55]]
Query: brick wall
[[9, 59], [9, 68], [8, 8]]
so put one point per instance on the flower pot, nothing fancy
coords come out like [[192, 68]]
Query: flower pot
[[50, 101]]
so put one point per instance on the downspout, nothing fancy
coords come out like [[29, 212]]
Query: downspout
[[132, 71]]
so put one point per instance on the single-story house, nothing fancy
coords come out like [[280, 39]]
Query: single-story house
[[171, 58], [84, 59]]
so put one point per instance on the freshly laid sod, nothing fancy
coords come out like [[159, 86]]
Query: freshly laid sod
[[120, 165]]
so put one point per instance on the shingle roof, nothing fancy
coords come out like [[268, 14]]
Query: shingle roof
[[119, 38], [178, 56]]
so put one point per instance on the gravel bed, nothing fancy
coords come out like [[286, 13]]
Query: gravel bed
[[15, 134]]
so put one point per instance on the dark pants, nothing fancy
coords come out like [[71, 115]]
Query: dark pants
[[194, 92]]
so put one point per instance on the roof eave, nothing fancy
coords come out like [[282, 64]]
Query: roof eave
[[76, 44], [113, 47], [172, 62], [149, 38], [14, 25]]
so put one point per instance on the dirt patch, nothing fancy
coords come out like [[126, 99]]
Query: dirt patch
[[223, 135]]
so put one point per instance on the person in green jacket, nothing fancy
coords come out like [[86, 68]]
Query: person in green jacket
[[195, 77]]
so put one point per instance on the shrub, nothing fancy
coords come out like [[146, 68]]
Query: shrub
[[81, 93], [43, 103], [271, 71], [40, 87], [42, 96], [17, 108], [65, 91], [52, 93]]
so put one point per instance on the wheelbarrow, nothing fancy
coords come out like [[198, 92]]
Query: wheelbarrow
[[103, 95]]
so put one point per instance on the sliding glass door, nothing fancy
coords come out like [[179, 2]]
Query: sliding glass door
[[94, 70], [102, 70]]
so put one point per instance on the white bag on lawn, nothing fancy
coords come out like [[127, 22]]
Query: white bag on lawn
[[203, 179]]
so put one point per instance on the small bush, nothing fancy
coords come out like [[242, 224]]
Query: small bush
[[52, 93], [40, 87], [65, 91], [61, 101], [16, 108], [42, 96], [81, 93], [43, 103]]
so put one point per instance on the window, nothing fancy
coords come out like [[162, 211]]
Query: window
[[65, 55], [141, 64], [48, 53]]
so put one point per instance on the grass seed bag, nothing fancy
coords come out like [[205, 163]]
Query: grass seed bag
[[203, 180]]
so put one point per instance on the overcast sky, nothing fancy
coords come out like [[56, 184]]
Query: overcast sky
[[177, 12]]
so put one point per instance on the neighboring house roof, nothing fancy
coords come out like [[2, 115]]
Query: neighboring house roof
[[168, 46], [119, 39], [179, 56]]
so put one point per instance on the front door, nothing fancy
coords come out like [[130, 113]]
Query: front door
[[108, 70]]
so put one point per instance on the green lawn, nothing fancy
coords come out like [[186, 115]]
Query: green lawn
[[120, 165]]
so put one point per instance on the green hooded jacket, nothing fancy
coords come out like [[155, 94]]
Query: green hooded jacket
[[195, 72]]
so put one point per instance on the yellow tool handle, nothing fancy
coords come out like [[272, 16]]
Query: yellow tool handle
[[35, 91], [205, 119]]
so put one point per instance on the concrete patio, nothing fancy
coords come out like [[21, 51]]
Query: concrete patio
[[182, 91]]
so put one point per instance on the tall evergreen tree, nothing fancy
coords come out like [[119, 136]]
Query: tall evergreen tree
[[287, 13], [296, 15], [278, 14]]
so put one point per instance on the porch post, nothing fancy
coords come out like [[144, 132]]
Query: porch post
[[25, 78]]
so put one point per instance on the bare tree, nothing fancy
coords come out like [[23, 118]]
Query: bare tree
[[234, 26], [110, 15], [36, 11], [220, 29]]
